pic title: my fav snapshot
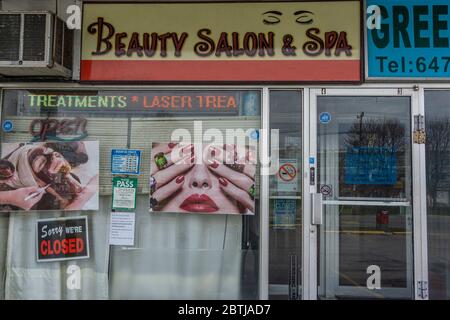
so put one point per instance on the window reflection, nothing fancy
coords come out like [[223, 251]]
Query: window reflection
[[437, 123]]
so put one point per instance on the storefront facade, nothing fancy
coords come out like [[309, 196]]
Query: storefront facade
[[339, 107]]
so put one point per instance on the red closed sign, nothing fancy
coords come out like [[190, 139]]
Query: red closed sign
[[62, 239]]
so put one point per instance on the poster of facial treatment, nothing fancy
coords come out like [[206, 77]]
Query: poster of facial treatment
[[202, 178], [49, 176]]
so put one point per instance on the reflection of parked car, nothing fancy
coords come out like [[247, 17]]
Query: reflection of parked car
[[382, 219]]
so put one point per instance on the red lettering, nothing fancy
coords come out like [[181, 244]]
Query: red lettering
[[175, 102], [210, 102], [43, 248], [231, 102], [154, 104], [65, 246], [57, 247], [80, 245], [72, 245], [221, 101], [187, 102], [165, 102]]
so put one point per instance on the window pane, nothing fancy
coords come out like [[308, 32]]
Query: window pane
[[437, 123], [285, 234], [189, 255]]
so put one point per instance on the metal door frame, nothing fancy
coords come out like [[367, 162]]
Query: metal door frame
[[419, 243]]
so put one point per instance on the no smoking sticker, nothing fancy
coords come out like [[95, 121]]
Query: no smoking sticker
[[326, 190], [288, 175], [287, 172]]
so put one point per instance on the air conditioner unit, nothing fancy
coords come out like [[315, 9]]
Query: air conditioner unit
[[35, 43]]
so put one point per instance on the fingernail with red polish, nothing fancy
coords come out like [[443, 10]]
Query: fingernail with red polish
[[172, 144], [223, 182], [187, 148], [179, 179], [213, 164]]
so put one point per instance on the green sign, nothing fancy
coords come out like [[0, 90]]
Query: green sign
[[124, 194]]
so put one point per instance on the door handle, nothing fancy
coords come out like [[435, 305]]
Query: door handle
[[317, 209]]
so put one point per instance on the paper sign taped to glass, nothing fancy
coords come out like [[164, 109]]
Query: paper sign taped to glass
[[49, 176], [284, 213], [371, 165], [202, 178]]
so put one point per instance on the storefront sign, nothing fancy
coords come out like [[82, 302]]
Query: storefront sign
[[274, 41], [124, 161], [181, 103], [370, 165], [287, 176], [58, 129], [284, 214], [62, 239], [124, 194], [412, 41]]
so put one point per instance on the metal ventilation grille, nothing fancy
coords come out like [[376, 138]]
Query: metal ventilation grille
[[9, 37], [34, 37], [58, 53]]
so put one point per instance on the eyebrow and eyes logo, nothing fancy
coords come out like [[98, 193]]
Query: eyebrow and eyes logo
[[274, 17]]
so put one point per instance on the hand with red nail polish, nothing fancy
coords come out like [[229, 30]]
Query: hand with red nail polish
[[164, 192], [206, 186], [238, 185], [178, 160]]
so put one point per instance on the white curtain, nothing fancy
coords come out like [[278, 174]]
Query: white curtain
[[179, 256], [176, 256], [28, 279], [4, 221]]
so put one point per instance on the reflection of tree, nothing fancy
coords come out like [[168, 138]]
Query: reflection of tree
[[388, 133], [437, 147]]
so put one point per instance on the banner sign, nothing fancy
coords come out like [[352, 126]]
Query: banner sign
[[202, 178], [124, 161], [160, 102], [124, 193], [370, 165], [412, 40], [62, 239], [238, 41], [50, 175]]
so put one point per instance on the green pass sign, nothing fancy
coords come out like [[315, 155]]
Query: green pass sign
[[124, 194]]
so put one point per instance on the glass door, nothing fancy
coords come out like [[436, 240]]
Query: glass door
[[364, 192], [285, 207]]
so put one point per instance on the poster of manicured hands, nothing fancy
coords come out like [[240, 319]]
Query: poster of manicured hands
[[49, 176], [202, 178]]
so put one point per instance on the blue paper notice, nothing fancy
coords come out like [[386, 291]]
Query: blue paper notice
[[370, 165], [124, 161], [284, 212]]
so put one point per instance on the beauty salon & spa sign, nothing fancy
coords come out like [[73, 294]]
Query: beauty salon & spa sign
[[271, 41]]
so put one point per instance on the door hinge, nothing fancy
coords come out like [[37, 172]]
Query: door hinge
[[419, 134], [400, 91], [422, 289], [324, 91]]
